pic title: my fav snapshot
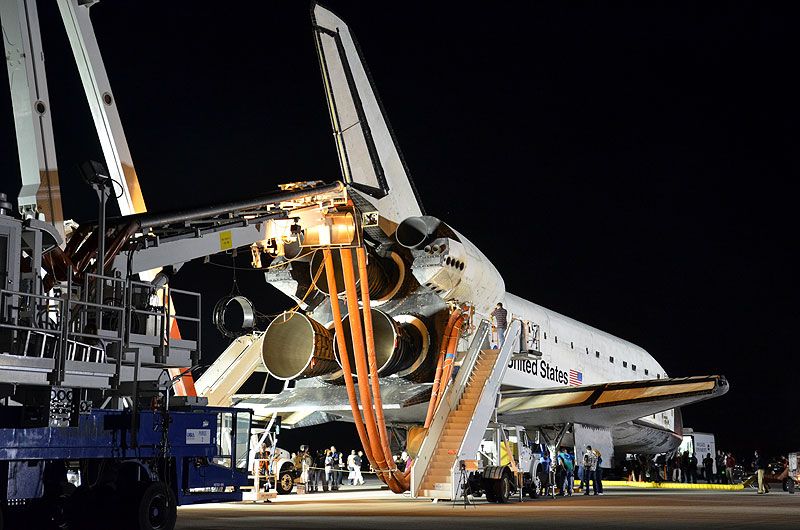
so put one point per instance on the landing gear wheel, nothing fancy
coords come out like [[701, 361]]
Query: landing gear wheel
[[285, 484], [156, 508]]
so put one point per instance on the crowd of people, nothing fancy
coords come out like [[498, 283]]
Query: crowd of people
[[587, 470], [687, 468], [684, 467], [323, 469], [327, 469]]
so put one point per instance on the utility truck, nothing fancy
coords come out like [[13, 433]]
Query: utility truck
[[507, 465]]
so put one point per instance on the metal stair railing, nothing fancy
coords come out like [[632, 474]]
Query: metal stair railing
[[456, 387], [487, 402]]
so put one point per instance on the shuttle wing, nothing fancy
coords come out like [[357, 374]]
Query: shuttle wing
[[303, 406], [369, 157], [606, 404]]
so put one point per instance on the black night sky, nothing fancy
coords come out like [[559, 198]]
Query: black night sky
[[626, 164]]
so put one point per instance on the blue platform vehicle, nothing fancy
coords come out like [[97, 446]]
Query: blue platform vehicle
[[92, 434]]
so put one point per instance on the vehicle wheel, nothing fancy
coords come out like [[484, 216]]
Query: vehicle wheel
[[544, 481], [502, 489], [285, 484], [156, 507], [488, 490], [535, 488], [79, 508]]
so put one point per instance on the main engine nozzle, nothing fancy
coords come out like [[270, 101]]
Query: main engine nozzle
[[296, 347], [394, 350], [380, 273]]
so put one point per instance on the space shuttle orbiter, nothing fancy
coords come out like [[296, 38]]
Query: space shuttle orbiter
[[421, 271]]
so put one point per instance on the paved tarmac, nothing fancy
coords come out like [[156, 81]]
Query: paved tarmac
[[619, 508]]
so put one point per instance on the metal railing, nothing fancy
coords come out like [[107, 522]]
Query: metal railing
[[195, 320], [63, 323], [472, 438], [445, 407]]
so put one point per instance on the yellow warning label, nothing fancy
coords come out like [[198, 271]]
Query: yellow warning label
[[225, 241]]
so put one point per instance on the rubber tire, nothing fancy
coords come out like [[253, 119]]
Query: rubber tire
[[488, 489], [502, 489], [285, 483], [544, 481], [80, 509], [535, 488], [155, 508]]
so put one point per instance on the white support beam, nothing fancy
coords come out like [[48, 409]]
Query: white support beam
[[103, 105], [40, 192]]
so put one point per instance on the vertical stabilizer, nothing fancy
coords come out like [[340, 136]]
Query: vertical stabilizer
[[370, 160]]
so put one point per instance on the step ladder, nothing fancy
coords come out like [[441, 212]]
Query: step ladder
[[462, 417]]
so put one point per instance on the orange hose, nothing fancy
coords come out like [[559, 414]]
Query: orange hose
[[348, 377], [439, 366], [362, 370], [400, 478], [449, 358]]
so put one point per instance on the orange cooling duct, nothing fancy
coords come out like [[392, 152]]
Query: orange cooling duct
[[348, 377], [401, 478], [362, 370], [437, 380]]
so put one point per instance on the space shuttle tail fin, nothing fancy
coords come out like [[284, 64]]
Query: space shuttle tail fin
[[370, 159]]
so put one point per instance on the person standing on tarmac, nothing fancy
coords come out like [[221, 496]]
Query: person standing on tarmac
[[565, 460], [357, 461], [708, 468], [730, 463], [330, 469], [319, 472], [589, 468], [720, 461], [598, 473], [351, 467], [760, 463], [692, 469]]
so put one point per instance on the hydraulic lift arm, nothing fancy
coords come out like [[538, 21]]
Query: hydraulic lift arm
[[40, 192], [103, 105]]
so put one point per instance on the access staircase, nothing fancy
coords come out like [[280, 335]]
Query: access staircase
[[439, 477], [231, 369], [462, 417]]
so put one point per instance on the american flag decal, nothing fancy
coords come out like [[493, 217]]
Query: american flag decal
[[575, 378]]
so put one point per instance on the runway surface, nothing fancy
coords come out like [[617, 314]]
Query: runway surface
[[619, 508]]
